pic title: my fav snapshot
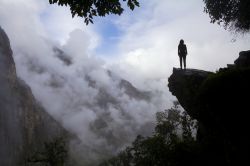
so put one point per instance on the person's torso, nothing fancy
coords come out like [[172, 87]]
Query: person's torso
[[182, 49]]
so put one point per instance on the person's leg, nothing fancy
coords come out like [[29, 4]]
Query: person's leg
[[180, 61], [184, 61]]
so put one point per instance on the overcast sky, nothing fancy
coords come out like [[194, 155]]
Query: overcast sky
[[147, 38], [139, 46]]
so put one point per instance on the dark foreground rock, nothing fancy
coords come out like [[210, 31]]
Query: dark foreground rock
[[220, 103], [184, 84]]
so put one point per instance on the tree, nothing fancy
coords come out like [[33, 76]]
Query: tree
[[89, 8], [172, 143], [233, 14], [54, 153]]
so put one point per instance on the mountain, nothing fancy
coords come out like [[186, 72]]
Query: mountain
[[103, 111], [24, 124]]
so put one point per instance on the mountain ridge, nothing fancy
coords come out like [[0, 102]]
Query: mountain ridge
[[24, 125]]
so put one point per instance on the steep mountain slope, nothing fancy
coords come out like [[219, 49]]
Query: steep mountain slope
[[24, 125], [104, 111]]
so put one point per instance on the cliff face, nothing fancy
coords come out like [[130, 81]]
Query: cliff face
[[184, 84], [24, 125], [220, 104]]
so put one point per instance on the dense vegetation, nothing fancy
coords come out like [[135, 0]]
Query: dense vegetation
[[221, 110], [233, 14], [173, 143], [223, 107], [90, 8], [53, 153]]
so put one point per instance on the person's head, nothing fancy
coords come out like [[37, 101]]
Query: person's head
[[181, 41]]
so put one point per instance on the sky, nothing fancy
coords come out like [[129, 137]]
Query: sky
[[139, 46]]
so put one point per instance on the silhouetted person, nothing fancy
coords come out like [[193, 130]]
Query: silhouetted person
[[182, 52]]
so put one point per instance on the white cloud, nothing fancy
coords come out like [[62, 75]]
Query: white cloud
[[147, 52], [150, 43]]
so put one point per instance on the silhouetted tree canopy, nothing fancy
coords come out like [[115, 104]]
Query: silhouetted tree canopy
[[233, 14], [89, 8], [172, 143]]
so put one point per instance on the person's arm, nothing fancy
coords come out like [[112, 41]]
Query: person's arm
[[186, 49], [178, 49]]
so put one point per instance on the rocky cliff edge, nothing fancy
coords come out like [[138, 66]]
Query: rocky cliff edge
[[219, 102]]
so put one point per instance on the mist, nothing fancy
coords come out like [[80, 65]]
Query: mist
[[90, 99], [106, 101]]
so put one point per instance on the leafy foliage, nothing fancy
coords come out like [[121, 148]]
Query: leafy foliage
[[222, 99], [90, 8], [54, 153], [234, 14], [171, 145]]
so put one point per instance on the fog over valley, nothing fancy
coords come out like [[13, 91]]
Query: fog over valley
[[105, 82]]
